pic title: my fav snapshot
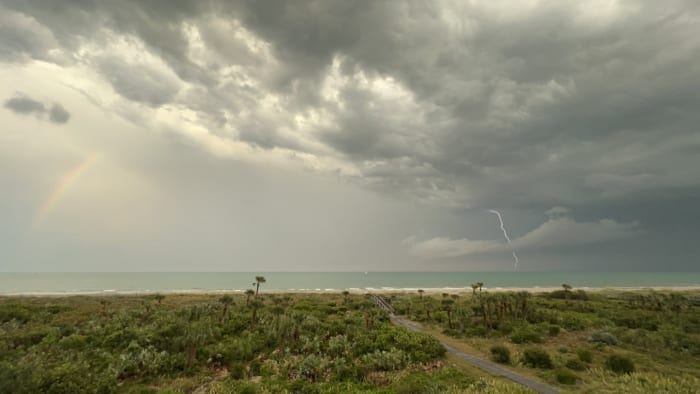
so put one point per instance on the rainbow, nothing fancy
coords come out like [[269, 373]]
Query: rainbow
[[63, 186]]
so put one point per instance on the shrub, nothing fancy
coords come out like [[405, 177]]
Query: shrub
[[392, 360], [526, 336], [344, 371], [243, 388], [254, 367], [604, 337], [505, 327], [585, 355], [573, 323], [500, 354], [575, 365], [21, 313], [237, 370], [419, 347], [537, 358], [476, 331], [619, 364], [647, 321], [566, 377], [571, 295], [553, 330], [417, 383], [73, 342]]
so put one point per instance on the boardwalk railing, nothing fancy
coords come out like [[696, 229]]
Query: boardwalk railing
[[382, 303]]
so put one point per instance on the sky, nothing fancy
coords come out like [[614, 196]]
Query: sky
[[349, 135]]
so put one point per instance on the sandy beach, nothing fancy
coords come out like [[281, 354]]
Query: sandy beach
[[382, 290], [468, 290]]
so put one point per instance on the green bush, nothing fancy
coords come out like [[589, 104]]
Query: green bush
[[619, 364], [392, 360], [415, 384], [20, 313], [574, 323], [585, 355], [647, 320], [73, 342], [245, 388], [565, 377], [476, 331], [505, 327], [576, 365], [237, 370], [553, 330], [419, 347], [526, 336], [537, 358], [570, 295], [500, 354], [604, 337], [344, 371]]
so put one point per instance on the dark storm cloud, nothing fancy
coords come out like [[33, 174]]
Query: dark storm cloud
[[505, 97], [24, 105], [519, 100], [23, 37], [464, 105], [139, 83]]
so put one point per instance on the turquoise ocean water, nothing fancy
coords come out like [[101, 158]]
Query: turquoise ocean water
[[127, 282]]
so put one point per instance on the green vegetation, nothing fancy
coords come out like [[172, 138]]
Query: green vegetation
[[500, 354], [575, 365], [566, 377], [585, 355], [537, 358], [604, 337], [570, 338], [335, 343], [242, 343], [619, 364]]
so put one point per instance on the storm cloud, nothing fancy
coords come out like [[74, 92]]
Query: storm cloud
[[454, 106]]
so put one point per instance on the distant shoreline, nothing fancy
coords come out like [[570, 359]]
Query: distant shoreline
[[382, 290]]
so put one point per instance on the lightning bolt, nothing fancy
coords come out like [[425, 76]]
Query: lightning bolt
[[505, 234]]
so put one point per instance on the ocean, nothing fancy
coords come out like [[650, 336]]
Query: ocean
[[138, 282]]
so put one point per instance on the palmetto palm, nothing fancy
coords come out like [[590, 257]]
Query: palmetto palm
[[225, 301], [258, 281]]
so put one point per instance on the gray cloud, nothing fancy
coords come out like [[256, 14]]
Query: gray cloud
[[478, 105], [58, 114], [508, 97], [24, 105], [142, 83], [22, 37], [21, 104]]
